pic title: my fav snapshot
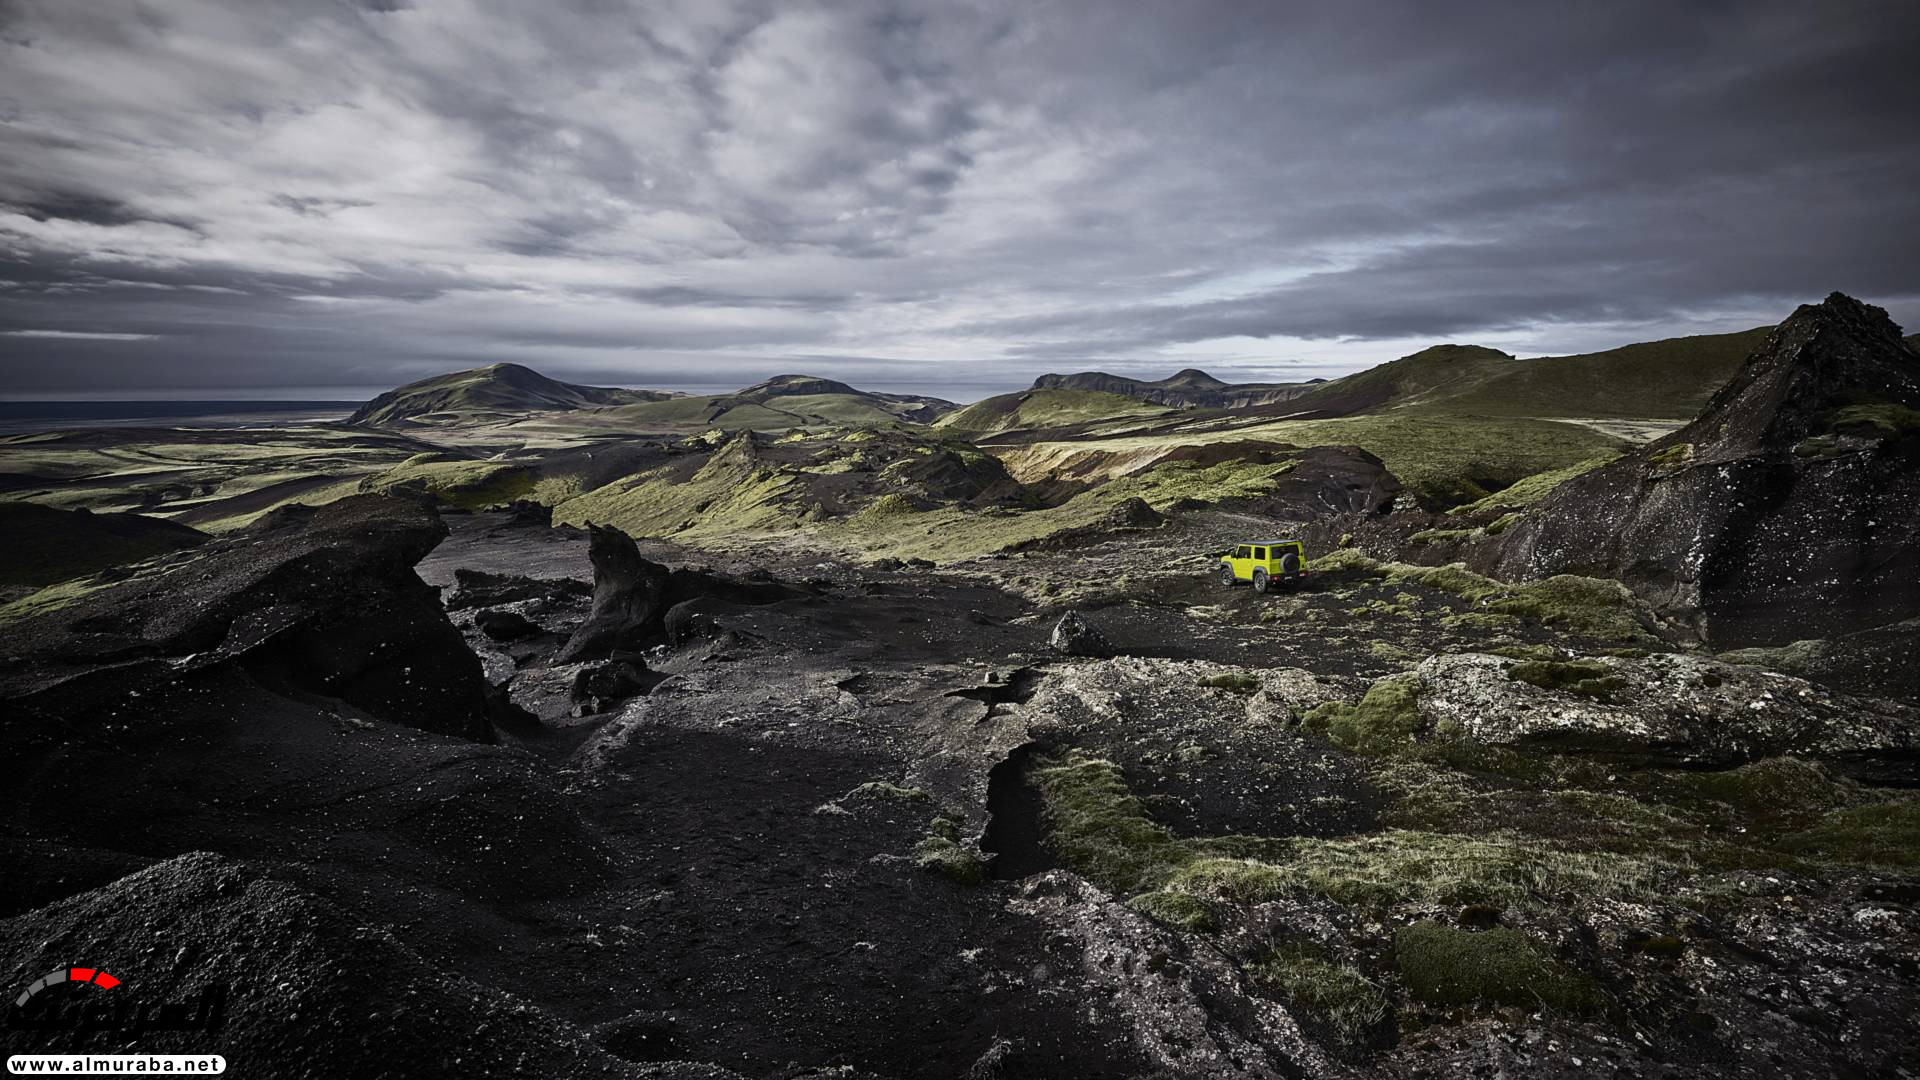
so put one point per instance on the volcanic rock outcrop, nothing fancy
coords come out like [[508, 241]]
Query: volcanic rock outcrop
[[1786, 510], [1666, 709], [632, 595], [311, 601]]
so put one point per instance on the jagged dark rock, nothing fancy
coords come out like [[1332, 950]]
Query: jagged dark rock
[[321, 601], [629, 600], [1073, 635], [632, 595], [1785, 511]]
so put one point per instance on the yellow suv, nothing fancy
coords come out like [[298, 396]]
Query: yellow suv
[[1265, 562]]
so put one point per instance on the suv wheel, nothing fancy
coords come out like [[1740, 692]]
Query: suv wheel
[[1226, 575], [1259, 581]]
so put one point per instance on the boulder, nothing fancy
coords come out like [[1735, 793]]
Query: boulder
[[604, 683], [505, 625], [1667, 709], [477, 588], [1786, 510], [1134, 513], [1073, 635], [310, 600]]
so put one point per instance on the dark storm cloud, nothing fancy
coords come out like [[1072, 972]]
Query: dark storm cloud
[[209, 194]]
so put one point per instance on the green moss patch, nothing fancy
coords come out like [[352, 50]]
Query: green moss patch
[[1677, 454], [1382, 720], [1588, 678], [1881, 419], [1529, 490], [1502, 966], [1238, 682]]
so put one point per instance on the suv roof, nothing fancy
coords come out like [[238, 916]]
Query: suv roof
[[1268, 543]]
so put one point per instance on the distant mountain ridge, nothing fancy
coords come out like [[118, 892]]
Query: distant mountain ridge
[[917, 408], [1190, 387], [1667, 379], [486, 392]]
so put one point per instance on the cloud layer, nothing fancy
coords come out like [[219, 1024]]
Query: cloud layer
[[276, 194]]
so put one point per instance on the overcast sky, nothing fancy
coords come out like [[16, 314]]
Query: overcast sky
[[264, 198]]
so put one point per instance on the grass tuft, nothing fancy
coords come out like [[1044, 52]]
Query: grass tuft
[[1181, 911], [1335, 993], [942, 855]]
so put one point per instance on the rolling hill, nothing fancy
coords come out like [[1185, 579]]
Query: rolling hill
[[784, 401], [1670, 379], [1191, 387], [1043, 408], [488, 393]]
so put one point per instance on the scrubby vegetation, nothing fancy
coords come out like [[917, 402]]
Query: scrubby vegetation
[[1338, 994], [1597, 607]]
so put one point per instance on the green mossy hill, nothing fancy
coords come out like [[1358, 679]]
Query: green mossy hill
[[491, 392], [946, 533], [1668, 379], [741, 486], [471, 485], [1040, 409], [782, 403]]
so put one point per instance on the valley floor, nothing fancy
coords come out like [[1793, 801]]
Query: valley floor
[[885, 827]]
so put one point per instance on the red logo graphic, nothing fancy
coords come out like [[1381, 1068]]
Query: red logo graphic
[[59, 975]]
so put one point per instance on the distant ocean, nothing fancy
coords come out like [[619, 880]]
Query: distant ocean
[[19, 416]]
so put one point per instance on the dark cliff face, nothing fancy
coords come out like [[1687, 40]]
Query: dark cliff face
[[1785, 511]]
